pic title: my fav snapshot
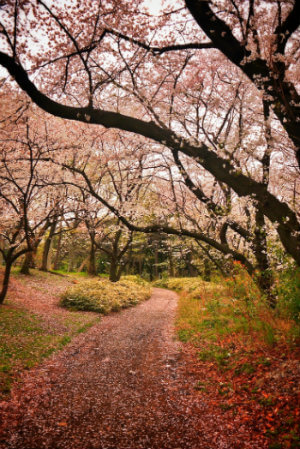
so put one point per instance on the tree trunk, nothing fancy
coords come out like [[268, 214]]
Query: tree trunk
[[264, 277], [83, 264], [47, 247], [114, 272], [171, 264], [28, 263], [58, 248], [140, 265], [5, 281], [207, 270], [92, 260], [155, 263]]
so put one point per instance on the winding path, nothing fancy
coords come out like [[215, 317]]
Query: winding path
[[117, 386]]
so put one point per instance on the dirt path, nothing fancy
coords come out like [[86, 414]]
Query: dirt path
[[121, 386]]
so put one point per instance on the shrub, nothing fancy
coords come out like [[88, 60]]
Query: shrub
[[288, 293], [135, 278], [103, 296], [178, 284]]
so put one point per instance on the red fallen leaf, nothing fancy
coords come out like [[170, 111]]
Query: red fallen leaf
[[245, 418], [62, 424]]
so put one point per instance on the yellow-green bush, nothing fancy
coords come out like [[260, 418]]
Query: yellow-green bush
[[135, 278], [194, 285], [103, 296]]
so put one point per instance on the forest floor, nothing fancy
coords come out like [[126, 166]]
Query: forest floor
[[126, 383]]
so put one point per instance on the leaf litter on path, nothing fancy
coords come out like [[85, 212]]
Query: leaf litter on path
[[125, 384]]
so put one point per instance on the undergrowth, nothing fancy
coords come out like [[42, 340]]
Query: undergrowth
[[238, 338], [103, 296]]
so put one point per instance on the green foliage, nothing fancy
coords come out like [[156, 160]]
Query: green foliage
[[241, 285], [236, 308], [288, 292], [216, 354], [103, 296]]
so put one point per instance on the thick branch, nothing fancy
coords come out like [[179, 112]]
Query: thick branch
[[278, 212]]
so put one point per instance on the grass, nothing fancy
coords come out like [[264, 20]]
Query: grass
[[26, 340], [234, 310]]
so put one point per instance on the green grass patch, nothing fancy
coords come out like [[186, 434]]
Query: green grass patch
[[102, 296], [214, 353], [26, 339]]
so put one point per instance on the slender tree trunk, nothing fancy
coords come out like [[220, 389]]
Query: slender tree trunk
[[140, 264], [92, 259], [58, 249], [155, 263], [2, 246], [207, 270], [264, 278], [171, 263], [71, 262], [5, 281], [83, 264], [47, 247]]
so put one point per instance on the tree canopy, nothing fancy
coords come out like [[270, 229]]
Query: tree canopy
[[207, 90]]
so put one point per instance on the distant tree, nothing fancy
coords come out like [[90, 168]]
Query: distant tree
[[27, 205]]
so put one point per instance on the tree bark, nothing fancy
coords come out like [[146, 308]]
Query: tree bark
[[5, 281], [47, 247], [28, 263], [92, 259], [264, 275], [114, 271], [58, 249], [171, 263]]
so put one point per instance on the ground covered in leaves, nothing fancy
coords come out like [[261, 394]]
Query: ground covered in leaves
[[33, 326], [244, 355], [127, 383]]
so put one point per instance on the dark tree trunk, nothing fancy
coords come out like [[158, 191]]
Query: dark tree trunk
[[264, 276], [58, 249], [140, 264], [114, 271], [92, 260], [155, 263], [5, 281], [47, 247], [207, 270], [28, 263]]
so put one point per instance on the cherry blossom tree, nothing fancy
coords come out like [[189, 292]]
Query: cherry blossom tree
[[91, 65], [28, 206]]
